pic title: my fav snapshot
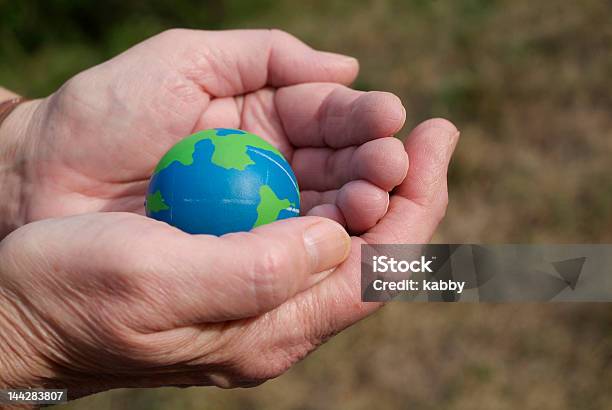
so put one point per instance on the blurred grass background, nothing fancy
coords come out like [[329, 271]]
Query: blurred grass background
[[529, 85]]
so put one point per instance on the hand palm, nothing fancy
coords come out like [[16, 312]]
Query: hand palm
[[108, 136]]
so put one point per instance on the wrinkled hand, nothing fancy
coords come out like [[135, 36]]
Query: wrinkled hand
[[97, 301], [96, 141], [115, 299]]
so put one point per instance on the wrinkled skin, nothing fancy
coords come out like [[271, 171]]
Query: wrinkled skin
[[100, 296]]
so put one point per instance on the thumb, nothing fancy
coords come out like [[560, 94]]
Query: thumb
[[248, 273], [293, 62], [236, 62]]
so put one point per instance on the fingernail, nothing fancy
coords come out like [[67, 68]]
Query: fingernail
[[327, 244]]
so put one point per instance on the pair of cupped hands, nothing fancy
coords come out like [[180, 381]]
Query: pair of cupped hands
[[94, 295]]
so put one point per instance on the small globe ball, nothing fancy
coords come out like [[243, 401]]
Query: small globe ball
[[222, 180]]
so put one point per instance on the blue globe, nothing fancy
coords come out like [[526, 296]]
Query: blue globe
[[222, 180]]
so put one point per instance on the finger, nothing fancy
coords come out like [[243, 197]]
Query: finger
[[330, 211], [362, 204], [383, 162], [335, 303], [221, 113], [319, 115], [206, 279], [310, 199], [234, 62], [419, 203], [430, 146]]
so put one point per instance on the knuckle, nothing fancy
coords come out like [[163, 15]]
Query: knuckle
[[270, 263], [262, 271], [71, 90], [281, 37], [267, 278], [281, 34], [172, 34]]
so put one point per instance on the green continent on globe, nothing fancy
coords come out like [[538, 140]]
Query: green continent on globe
[[269, 206], [155, 202], [228, 153]]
